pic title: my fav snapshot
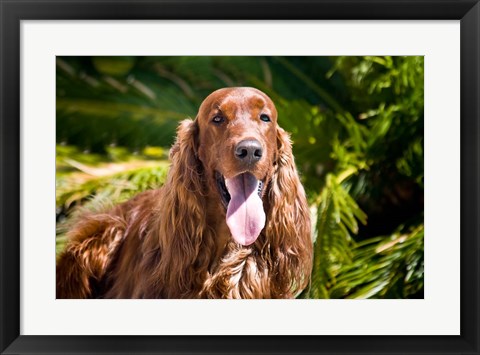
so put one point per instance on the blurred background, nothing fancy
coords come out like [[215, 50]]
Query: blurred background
[[356, 125]]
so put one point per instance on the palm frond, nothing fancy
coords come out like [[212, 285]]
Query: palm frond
[[384, 267], [76, 187], [337, 219]]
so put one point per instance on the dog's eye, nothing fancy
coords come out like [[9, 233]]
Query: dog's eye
[[264, 117], [218, 119]]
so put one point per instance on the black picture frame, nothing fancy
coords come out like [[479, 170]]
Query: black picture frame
[[12, 12]]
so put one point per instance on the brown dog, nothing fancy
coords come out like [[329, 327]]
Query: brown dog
[[231, 221]]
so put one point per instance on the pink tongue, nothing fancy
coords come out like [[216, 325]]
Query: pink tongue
[[245, 215]]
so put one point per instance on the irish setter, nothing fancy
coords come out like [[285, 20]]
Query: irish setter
[[231, 220]]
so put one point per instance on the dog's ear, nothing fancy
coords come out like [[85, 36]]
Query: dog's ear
[[186, 171], [186, 142], [285, 181], [288, 223], [181, 216]]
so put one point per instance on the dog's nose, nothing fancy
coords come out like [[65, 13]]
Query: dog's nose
[[249, 151]]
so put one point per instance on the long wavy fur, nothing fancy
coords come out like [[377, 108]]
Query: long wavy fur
[[162, 243]]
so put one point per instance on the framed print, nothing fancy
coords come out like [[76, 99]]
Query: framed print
[[378, 196]]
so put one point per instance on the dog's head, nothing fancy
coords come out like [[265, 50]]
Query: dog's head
[[245, 157]]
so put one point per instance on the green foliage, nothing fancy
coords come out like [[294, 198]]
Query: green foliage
[[99, 185], [336, 222], [383, 267], [118, 186], [81, 175], [357, 128]]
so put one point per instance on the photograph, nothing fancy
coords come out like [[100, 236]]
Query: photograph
[[239, 177]]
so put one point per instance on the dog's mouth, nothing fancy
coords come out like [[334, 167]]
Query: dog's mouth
[[241, 195], [225, 195]]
